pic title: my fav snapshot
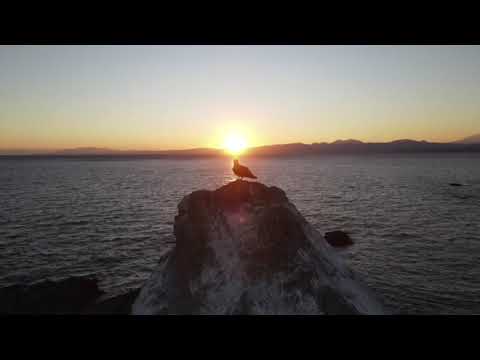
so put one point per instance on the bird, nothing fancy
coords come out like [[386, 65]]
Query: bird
[[242, 171]]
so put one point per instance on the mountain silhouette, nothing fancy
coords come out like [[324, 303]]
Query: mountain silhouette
[[350, 146], [349, 141], [474, 139]]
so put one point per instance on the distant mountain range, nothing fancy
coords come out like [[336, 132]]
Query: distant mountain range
[[350, 146], [474, 139], [359, 147]]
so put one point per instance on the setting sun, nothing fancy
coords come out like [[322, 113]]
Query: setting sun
[[235, 144]]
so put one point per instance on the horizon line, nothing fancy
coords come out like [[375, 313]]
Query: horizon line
[[52, 151]]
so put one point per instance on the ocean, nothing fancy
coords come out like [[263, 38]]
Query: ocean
[[417, 239]]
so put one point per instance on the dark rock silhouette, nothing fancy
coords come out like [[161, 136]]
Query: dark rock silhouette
[[338, 238], [76, 295], [245, 249], [242, 171], [68, 296], [455, 184], [114, 305]]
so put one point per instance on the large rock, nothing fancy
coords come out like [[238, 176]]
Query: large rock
[[69, 296], [245, 249]]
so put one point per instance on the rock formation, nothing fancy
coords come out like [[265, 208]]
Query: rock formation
[[74, 295], [69, 296], [245, 249]]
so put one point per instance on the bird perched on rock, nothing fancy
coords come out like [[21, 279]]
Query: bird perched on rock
[[242, 171]]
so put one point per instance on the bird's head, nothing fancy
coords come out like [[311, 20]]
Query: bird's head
[[235, 162]]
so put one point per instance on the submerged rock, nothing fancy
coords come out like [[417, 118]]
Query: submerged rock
[[455, 184], [69, 296], [245, 249], [338, 238]]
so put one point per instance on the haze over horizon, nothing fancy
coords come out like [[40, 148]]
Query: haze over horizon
[[184, 97]]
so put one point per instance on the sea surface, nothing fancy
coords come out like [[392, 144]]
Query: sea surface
[[417, 239]]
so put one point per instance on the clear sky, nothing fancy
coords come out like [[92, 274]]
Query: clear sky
[[173, 97]]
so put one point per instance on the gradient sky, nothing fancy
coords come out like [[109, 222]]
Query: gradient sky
[[172, 97]]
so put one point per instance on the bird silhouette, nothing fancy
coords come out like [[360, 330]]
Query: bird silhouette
[[242, 171]]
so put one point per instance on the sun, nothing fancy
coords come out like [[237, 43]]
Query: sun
[[235, 144]]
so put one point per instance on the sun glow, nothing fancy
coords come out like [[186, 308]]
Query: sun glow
[[235, 144]]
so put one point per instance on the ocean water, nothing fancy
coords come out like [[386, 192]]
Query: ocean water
[[417, 239]]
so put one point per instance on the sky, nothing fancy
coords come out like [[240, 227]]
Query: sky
[[179, 97]]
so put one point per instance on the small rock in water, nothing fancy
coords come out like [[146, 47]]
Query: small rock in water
[[338, 238], [455, 184]]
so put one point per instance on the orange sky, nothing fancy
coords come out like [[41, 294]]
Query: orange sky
[[175, 97]]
